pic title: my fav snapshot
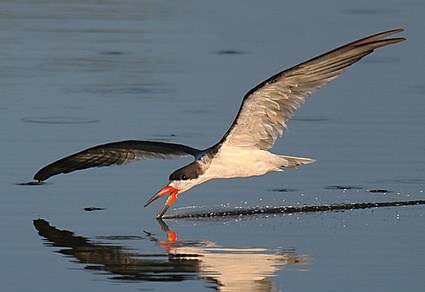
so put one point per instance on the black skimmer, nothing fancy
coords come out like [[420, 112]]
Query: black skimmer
[[242, 152]]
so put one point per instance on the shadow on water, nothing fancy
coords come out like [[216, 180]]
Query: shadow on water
[[229, 269]]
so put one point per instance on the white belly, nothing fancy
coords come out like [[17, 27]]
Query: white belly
[[231, 162]]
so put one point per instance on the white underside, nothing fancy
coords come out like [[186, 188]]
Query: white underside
[[231, 162]]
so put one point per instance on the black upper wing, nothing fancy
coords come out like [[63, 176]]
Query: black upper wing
[[115, 153]]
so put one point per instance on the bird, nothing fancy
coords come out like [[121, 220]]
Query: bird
[[243, 150]]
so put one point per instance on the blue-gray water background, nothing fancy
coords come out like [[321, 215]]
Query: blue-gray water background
[[74, 74]]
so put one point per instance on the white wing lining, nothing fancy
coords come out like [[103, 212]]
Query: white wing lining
[[266, 108]]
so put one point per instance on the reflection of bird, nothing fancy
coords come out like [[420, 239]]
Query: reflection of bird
[[122, 262], [233, 269], [242, 152]]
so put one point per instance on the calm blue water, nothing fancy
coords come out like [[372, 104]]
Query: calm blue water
[[74, 74]]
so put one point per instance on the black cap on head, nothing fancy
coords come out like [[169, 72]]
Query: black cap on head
[[191, 171]]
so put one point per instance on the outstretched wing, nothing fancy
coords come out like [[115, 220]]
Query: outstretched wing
[[266, 108], [114, 154]]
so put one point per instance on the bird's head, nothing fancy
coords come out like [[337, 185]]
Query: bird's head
[[181, 180]]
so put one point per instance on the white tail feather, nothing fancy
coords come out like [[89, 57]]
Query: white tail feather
[[291, 162]]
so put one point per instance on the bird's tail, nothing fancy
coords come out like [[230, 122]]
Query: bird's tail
[[291, 162]]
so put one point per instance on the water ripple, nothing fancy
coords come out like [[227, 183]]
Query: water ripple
[[59, 120], [295, 209]]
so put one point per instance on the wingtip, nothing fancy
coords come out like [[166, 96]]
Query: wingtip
[[381, 38], [48, 171], [391, 32], [394, 31], [39, 176], [397, 40]]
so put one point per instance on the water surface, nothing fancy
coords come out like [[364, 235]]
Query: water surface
[[80, 73]]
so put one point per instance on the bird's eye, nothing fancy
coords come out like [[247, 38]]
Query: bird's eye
[[184, 177]]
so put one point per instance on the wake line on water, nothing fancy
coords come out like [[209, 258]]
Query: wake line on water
[[294, 209]]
